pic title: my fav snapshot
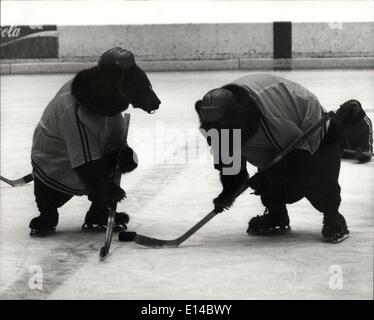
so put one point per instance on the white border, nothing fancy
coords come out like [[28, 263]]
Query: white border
[[172, 12]]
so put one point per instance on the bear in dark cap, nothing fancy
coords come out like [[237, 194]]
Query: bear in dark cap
[[357, 139], [253, 119]]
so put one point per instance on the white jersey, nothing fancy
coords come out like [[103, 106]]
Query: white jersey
[[287, 111], [68, 136]]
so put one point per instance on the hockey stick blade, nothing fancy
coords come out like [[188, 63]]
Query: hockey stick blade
[[18, 182], [155, 243]]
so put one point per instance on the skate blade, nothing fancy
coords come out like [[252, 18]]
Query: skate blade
[[101, 228], [93, 228], [271, 232], [337, 239], [40, 234]]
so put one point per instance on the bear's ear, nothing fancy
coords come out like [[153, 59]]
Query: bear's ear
[[80, 87], [98, 93]]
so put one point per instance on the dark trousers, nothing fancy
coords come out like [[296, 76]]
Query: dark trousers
[[318, 183], [47, 199]]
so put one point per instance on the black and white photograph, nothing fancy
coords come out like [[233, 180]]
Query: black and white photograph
[[197, 151]]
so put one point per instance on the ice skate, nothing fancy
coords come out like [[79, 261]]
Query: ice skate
[[335, 229], [94, 222], [43, 225], [269, 224]]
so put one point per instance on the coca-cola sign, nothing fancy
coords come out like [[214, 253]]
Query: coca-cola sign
[[28, 42]]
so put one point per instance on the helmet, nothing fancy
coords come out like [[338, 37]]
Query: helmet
[[351, 111], [352, 103], [117, 56], [214, 104]]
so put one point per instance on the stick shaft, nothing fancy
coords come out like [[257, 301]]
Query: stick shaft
[[292, 146], [197, 226], [117, 180]]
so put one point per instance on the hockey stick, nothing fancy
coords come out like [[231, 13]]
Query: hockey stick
[[18, 182], [117, 180], [156, 243]]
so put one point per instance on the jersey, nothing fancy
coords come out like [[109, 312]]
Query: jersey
[[68, 136], [287, 111]]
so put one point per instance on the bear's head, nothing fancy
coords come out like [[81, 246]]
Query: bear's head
[[108, 88], [351, 111], [229, 107]]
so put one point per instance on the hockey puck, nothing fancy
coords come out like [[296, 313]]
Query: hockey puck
[[126, 236]]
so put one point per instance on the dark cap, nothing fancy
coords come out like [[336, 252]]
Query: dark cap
[[214, 104], [117, 56]]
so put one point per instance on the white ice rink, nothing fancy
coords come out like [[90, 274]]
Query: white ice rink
[[166, 197]]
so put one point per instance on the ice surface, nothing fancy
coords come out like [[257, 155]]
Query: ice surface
[[165, 198]]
